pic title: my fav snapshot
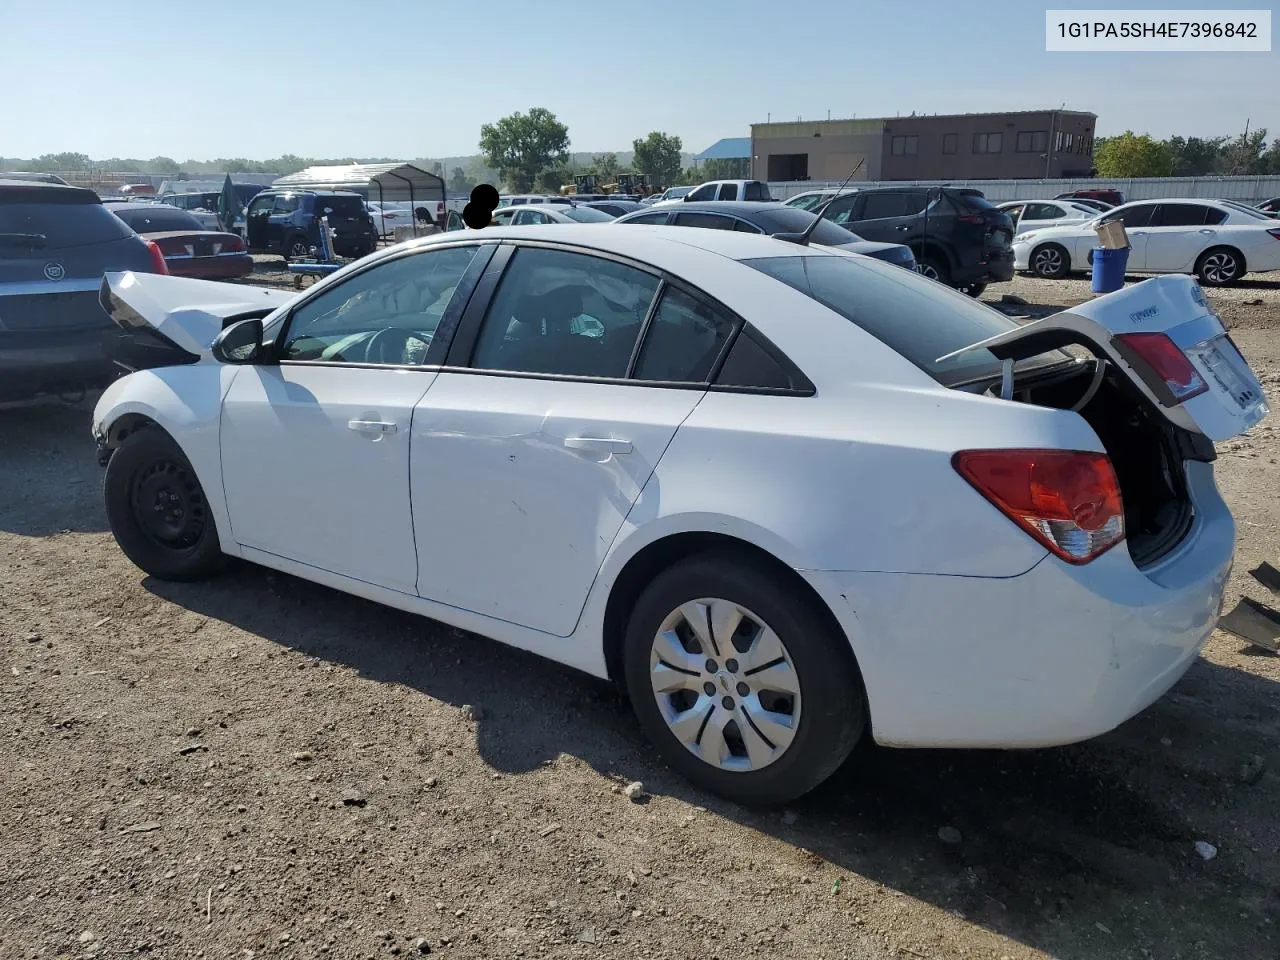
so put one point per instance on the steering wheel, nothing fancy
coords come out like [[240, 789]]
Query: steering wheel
[[390, 345]]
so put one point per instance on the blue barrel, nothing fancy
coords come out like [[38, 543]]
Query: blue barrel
[[1108, 269]]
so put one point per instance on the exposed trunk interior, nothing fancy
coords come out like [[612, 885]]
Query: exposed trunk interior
[[1146, 450]]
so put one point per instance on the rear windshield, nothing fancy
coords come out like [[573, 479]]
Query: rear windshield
[[61, 225], [587, 215], [972, 200], [158, 218], [790, 220], [342, 206], [919, 318]]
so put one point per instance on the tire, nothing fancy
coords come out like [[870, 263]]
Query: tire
[[297, 246], [974, 290], [824, 719], [148, 472], [1220, 266], [1050, 261], [934, 267]]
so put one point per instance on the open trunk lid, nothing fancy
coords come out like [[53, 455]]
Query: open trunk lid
[[177, 317], [1196, 378]]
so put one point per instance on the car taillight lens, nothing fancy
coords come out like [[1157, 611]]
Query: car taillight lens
[[1168, 361], [1067, 500], [234, 245], [970, 218], [157, 257]]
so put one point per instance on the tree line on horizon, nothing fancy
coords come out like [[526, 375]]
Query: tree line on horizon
[[530, 151]]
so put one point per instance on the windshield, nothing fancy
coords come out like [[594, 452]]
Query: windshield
[[792, 220], [157, 218], [973, 201], [919, 318], [586, 215]]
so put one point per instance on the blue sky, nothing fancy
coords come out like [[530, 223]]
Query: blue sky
[[412, 78]]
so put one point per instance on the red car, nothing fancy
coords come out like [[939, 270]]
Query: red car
[[189, 249]]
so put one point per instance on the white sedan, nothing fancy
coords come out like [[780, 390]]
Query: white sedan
[[1039, 214], [1217, 241], [786, 496]]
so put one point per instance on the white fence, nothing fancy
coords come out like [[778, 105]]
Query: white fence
[[1250, 190]]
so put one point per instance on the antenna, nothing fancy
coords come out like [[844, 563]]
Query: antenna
[[803, 238]]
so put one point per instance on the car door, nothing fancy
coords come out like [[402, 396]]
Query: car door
[[1015, 214], [883, 216], [1178, 233], [531, 447], [315, 447], [256, 218], [1136, 218], [280, 221]]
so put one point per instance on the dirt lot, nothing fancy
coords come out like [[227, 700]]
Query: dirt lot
[[257, 766]]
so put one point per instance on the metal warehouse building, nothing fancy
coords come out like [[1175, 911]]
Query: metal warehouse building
[[974, 146]]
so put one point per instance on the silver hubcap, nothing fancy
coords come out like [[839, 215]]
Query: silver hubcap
[[1048, 260], [1220, 268], [928, 270], [725, 684]]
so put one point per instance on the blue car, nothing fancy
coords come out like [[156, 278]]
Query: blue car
[[288, 222]]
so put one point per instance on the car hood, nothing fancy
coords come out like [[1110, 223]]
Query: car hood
[[1073, 231], [188, 313]]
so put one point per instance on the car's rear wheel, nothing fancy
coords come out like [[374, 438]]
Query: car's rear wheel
[[974, 290], [1050, 261], [740, 680], [157, 510], [934, 267], [1219, 266]]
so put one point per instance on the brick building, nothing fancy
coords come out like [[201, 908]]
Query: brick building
[[1025, 144]]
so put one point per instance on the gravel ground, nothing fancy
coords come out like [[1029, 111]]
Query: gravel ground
[[257, 766]]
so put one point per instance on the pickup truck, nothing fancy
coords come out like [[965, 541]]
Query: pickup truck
[[723, 190]]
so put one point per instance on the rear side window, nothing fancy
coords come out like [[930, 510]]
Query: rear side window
[[751, 365], [881, 206], [58, 226], [710, 221], [1181, 215], [683, 340], [728, 191], [920, 319], [755, 190], [650, 218]]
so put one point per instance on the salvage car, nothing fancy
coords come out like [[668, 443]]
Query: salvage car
[[189, 249], [785, 495], [1216, 241], [56, 242]]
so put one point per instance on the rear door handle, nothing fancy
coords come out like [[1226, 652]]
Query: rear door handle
[[598, 445], [1208, 232], [371, 426]]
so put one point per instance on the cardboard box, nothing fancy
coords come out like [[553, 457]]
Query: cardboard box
[[1112, 235]]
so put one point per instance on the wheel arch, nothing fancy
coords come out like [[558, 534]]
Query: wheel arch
[[642, 566], [923, 248], [1051, 242]]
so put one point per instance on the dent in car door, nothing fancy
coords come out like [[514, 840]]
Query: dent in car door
[[522, 478]]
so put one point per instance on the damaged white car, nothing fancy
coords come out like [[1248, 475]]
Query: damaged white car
[[785, 495]]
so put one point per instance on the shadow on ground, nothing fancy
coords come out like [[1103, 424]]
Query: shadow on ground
[[50, 481], [1054, 841]]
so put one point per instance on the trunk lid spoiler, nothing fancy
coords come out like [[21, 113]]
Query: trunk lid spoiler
[[1172, 305], [187, 313]]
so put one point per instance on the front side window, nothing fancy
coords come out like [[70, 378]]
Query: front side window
[[705, 192], [286, 204], [526, 217], [1135, 216], [386, 315], [1044, 211], [557, 312], [683, 340], [261, 206], [649, 218], [504, 217]]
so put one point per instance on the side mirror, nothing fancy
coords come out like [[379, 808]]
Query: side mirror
[[240, 343]]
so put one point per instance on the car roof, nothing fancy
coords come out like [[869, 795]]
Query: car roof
[[38, 191], [663, 246], [740, 208], [145, 207]]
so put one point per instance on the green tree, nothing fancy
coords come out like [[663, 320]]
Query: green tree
[[50, 162], [1195, 156], [1271, 159], [605, 167], [1133, 155], [522, 145], [1243, 155], [658, 155], [458, 180], [163, 165], [552, 179]]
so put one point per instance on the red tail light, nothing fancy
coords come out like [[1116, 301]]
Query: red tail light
[[970, 218], [233, 245], [1168, 361], [1067, 500], [157, 257]]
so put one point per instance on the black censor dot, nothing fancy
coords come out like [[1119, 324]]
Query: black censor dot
[[479, 211]]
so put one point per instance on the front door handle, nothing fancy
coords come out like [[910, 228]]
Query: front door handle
[[602, 446], [1208, 233], [371, 426], [903, 227]]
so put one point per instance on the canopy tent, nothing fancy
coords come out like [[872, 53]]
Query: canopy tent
[[394, 182], [730, 148]]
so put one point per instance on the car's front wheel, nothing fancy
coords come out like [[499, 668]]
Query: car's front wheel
[[1050, 261], [157, 510], [741, 680]]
